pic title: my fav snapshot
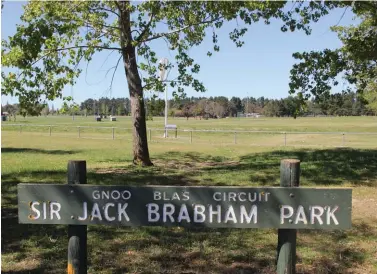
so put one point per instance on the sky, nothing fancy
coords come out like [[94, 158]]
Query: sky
[[260, 68]]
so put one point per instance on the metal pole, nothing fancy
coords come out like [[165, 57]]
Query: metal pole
[[113, 133], [50, 130], [77, 234], [150, 135], [164, 62], [285, 139], [166, 110], [286, 249], [78, 131]]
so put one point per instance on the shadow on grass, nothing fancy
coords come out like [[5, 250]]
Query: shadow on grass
[[338, 249], [318, 167], [191, 250], [34, 150]]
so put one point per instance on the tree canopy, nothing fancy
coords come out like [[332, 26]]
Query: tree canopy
[[55, 37], [356, 60]]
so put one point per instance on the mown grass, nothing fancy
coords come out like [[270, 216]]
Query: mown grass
[[43, 249], [300, 132], [301, 124]]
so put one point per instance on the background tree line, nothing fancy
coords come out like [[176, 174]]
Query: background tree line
[[346, 104]]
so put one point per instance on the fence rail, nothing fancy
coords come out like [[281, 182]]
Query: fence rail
[[250, 137]]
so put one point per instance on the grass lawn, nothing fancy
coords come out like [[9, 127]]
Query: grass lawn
[[360, 132], [301, 124], [36, 158]]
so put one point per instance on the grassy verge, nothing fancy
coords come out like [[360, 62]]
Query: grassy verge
[[42, 248]]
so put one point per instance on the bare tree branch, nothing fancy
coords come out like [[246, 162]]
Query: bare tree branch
[[77, 47], [294, 4], [108, 10], [146, 28], [106, 58], [111, 11], [159, 35], [102, 25], [112, 78], [344, 12]]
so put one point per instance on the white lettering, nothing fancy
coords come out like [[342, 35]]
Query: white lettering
[[127, 196], [252, 199], [283, 215], [105, 194], [300, 215], [331, 214], [34, 209], [186, 196], [156, 195], [55, 211], [117, 194], [96, 213], [153, 209], [107, 217], [122, 211], [230, 215], [175, 196], [232, 196], [214, 196], [165, 198], [168, 211], [315, 215], [215, 212], [44, 211], [198, 213], [85, 212], [252, 215], [239, 196], [95, 194], [183, 214], [267, 193]]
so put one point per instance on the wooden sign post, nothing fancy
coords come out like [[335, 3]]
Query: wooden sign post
[[286, 257], [77, 234]]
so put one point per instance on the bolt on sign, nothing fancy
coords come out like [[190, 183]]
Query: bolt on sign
[[214, 207]]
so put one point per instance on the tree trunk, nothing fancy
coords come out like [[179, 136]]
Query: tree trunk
[[139, 129]]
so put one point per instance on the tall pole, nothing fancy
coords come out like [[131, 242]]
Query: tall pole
[[164, 62], [166, 110]]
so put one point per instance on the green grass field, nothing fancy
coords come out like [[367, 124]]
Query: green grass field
[[318, 132], [36, 157], [302, 124]]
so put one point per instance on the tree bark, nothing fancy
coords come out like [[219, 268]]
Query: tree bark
[[139, 129]]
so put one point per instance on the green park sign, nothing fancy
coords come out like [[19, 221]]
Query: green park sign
[[212, 207]]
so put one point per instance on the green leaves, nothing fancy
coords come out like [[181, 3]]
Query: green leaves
[[356, 59], [46, 50], [56, 37]]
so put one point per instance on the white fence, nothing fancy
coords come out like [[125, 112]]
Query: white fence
[[258, 138]]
